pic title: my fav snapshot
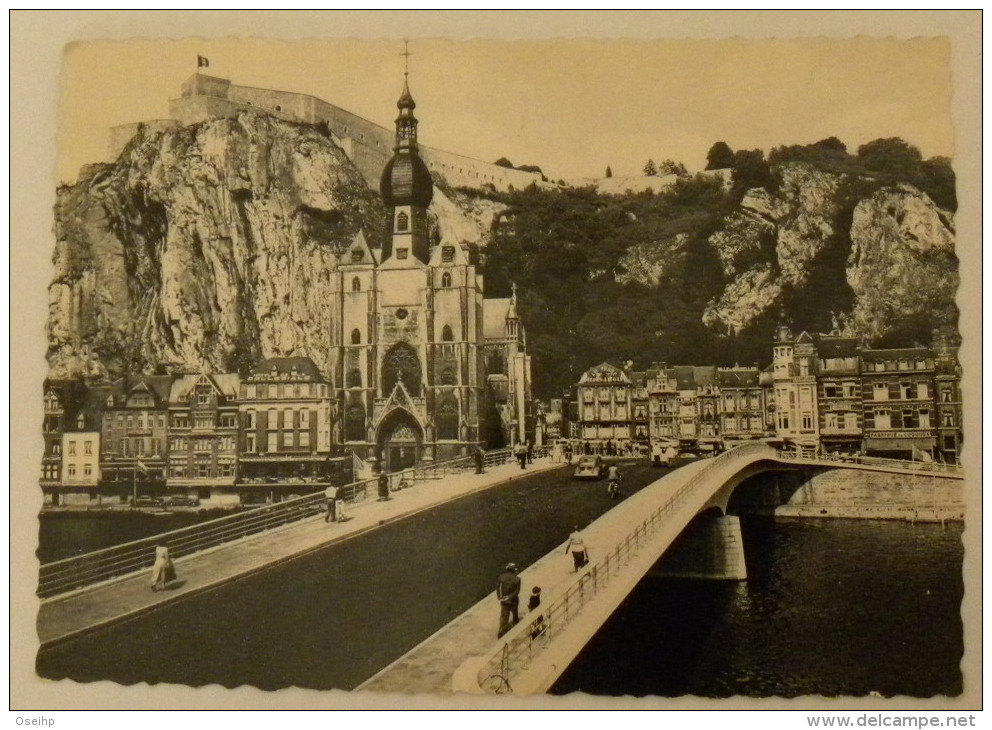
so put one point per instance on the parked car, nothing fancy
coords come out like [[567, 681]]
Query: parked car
[[181, 500], [145, 501], [590, 467]]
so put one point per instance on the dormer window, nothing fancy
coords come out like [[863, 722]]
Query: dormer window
[[402, 222], [357, 256], [402, 253], [447, 254]]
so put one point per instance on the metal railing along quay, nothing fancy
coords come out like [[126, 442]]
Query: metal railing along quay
[[535, 632], [119, 561], [896, 464]]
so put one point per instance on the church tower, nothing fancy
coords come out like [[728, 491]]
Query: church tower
[[407, 189], [423, 367]]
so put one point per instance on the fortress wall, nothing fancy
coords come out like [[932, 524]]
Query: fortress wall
[[368, 145]]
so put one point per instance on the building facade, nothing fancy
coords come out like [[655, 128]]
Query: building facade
[[897, 387], [795, 391], [742, 405], [134, 435], [604, 398], [838, 394], [203, 437], [285, 411]]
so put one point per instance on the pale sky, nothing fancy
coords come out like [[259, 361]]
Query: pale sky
[[571, 106]]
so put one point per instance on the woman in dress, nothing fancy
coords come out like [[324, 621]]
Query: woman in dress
[[162, 570]]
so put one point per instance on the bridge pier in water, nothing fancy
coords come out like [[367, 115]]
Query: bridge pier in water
[[712, 547]]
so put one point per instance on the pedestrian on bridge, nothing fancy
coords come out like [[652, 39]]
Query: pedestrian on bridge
[[163, 570], [508, 593], [533, 603], [578, 547]]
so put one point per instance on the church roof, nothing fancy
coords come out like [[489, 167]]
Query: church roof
[[494, 314]]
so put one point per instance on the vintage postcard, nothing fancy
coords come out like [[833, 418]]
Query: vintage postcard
[[475, 360]]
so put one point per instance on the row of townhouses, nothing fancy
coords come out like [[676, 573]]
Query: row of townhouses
[[822, 393], [220, 439]]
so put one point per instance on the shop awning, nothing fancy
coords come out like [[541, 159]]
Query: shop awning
[[900, 444]]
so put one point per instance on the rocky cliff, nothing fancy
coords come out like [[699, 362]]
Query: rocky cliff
[[213, 245], [880, 261]]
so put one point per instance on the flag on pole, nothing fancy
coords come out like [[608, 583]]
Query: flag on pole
[[141, 465], [202, 62], [359, 467]]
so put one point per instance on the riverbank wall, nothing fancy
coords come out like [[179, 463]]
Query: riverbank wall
[[825, 492]]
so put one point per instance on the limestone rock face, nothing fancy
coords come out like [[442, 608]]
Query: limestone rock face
[[648, 263], [210, 246], [902, 263]]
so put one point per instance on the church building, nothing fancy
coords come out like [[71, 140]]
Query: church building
[[414, 344]]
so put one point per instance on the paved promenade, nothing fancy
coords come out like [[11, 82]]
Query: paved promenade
[[62, 617], [430, 667]]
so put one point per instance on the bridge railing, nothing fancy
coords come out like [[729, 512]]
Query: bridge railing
[[899, 464], [117, 561], [544, 626]]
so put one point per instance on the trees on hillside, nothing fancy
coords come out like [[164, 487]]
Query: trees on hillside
[[650, 168], [720, 157]]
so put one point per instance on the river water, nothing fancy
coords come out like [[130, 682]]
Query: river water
[[830, 607]]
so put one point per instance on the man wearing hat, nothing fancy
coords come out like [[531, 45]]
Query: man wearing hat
[[508, 593]]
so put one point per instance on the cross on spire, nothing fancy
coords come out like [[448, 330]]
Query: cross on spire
[[406, 57]]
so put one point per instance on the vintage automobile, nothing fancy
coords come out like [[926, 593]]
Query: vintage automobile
[[181, 500], [590, 467]]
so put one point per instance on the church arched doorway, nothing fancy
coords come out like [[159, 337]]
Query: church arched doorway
[[400, 441]]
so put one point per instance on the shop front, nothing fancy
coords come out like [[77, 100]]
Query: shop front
[[911, 445]]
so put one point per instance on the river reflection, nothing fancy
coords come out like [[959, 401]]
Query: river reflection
[[831, 607]]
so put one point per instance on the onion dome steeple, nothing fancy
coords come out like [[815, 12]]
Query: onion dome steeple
[[406, 179], [406, 187]]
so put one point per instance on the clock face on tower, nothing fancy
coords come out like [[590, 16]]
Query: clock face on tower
[[401, 313]]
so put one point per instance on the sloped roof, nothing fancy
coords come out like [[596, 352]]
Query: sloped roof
[[494, 313], [836, 346], [158, 385], [902, 353], [226, 383], [737, 377], [284, 367], [604, 372]]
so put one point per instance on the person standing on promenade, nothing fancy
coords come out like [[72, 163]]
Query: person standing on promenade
[[578, 547], [556, 452], [480, 457], [520, 451], [508, 593], [163, 570], [331, 494], [383, 485], [530, 452]]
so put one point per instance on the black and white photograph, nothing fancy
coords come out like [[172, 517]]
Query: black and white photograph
[[601, 368]]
